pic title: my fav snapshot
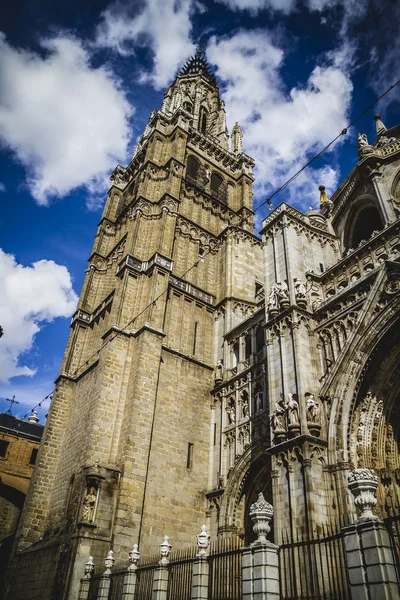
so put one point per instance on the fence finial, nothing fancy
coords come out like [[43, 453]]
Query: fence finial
[[89, 568], [203, 541], [134, 556], [261, 513], [362, 484], [109, 562], [165, 550]]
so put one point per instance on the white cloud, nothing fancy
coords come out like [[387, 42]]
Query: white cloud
[[163, 26], [281, 128], [66, 121], [2, 187], [30, 296], [254, 6]]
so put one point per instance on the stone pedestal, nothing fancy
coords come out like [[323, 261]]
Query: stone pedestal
[[200, 579], [370, 563], [160, 583], [84, 589], [260, 572], [104, 588], [129, 589]]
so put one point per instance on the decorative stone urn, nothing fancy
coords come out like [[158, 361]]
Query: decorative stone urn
[[363, 484], [109, 562], [165, 551], [134, 556], [261, 514], [203, 542], [89, 568]]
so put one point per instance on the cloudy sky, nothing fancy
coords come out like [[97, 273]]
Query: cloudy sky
[[77, 84]]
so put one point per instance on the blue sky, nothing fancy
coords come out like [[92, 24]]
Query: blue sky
[[77, 84]]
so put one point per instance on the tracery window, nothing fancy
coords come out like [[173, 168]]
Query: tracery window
[[203, 120], [192, 168]]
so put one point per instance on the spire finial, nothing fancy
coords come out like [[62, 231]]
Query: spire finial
[[323, 197], [200, 50], [380, 128]]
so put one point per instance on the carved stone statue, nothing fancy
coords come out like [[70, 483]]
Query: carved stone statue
[[278, 297], [300, 288], [89, 504], [293, 411], [313, 410], [313, 415], [231, 412], [258, 397], [219, 373], [203, 541], [362, 139], [278, 421]]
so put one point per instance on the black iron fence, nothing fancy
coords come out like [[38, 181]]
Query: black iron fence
[[94, 587], [225, 573], [116, 585], [314, 569], [180, 571]]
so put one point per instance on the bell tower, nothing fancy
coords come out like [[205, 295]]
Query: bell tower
[[125, 455]]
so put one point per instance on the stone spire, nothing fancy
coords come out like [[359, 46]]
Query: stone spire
[[380, 128], [198, 65]]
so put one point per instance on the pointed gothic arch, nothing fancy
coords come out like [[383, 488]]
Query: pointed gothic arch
[[348, 379], [365, 219], [250, 475]]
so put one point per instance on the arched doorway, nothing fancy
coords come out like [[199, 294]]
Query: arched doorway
[[250, 476], [374, 435]]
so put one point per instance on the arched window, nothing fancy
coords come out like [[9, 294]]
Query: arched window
[[203, 120], [247, 346], [368, 220], [235, 354], [259, 339], [188, 106], [192, 168], [216, 182]]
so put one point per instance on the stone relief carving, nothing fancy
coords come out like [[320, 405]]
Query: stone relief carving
[[165, 551], [363, 484], [261, 513]]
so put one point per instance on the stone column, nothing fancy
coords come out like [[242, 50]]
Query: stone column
[[369, 558], [85, 581], [160, 581], [128, 591], [201, 567], [104, 586], [260, 562]]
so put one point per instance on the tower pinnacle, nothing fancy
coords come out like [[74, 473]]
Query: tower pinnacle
[[380, 127]]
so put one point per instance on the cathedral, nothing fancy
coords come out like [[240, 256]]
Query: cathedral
[[207, 364]]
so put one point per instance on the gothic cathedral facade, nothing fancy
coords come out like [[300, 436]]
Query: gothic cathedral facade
[[206, 364]]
